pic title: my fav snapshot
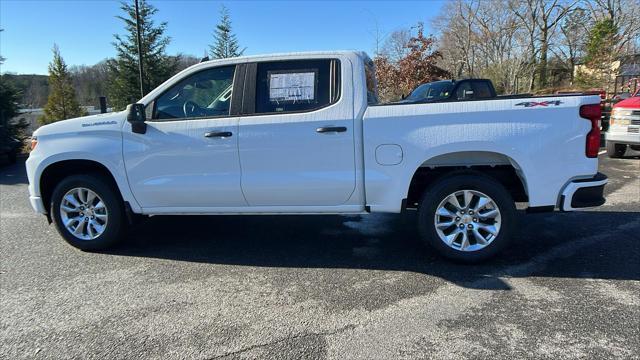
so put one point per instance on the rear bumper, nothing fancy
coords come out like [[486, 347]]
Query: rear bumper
[[584, 193]]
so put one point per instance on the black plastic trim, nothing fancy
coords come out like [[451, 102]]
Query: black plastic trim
[[588, 197], [249, 92], [540, 209], [235, 108]]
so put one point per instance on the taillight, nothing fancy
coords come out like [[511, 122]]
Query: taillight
[[592, 113], [34, 143]]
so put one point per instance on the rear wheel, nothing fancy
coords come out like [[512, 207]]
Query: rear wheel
[[615, 150], [467, 218], [87, 212]]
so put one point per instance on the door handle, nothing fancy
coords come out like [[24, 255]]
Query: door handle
[[331, 129], [218, 134]]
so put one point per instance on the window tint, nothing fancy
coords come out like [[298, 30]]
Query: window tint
[[431, 91], [204, 94], [297, 85], [464, 91], [481, 90]]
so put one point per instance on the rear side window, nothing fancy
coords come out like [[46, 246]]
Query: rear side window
[[297, 85], [481, 90]]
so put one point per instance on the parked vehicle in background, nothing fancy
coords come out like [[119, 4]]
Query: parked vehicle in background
[[451, 90], [302, 133], [624, 126]]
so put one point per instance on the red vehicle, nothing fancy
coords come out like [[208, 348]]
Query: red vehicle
[[624, 125]]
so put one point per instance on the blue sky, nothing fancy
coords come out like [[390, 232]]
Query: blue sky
[[84, 29]]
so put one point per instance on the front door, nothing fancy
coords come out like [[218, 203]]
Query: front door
[[188, 157], [297, 139]]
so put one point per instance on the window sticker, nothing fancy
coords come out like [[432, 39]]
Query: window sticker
[[292, 87]]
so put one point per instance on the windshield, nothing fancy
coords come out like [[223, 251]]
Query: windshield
[[431, 91]]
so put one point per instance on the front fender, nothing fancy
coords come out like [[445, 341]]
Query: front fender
[[103, 147]]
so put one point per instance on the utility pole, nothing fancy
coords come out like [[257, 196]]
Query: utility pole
[[140, 68]]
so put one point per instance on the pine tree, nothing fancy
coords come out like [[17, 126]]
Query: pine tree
[[123, 70], [226, 44], [62, 103]]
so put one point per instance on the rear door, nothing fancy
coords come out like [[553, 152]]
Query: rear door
[[296, 134]]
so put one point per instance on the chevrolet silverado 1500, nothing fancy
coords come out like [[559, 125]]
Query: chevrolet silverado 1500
[[303, 133]]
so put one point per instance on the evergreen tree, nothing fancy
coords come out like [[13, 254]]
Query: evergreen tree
[[123, 70], [601, 46], [62, 103], [10, 129], [226, 44]]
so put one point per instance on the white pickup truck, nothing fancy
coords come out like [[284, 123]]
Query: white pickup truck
[[303, 133]]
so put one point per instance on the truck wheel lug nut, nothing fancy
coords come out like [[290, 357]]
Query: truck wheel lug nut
[[470, 226], [461, 226], [457, 218], [475, 219]]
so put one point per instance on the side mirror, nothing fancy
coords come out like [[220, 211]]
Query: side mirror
[[136, 116]]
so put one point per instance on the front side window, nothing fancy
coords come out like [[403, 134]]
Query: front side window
[[296, 85], [204, 94]]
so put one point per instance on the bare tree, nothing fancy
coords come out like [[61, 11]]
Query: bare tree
[[574, 30]]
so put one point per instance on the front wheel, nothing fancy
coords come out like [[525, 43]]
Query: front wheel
[[87, 212], [615, 150], [467, 217]]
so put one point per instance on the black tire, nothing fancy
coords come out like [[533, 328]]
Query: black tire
[[447, 185], [13, 157], [115, 227], [615, 150]]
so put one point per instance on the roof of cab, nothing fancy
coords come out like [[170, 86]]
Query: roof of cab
[[249, 58]]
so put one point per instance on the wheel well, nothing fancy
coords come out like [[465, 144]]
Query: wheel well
[[54, 173], [504, 174]]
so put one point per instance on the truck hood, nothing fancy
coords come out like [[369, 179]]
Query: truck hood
[[630, 103], [110, 122]]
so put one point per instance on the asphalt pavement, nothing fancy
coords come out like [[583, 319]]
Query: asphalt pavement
[[322, 287]]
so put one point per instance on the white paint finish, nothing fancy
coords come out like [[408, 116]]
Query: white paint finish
[[284, 166], [389, 154], [174, 165], [286, 162], [547, 144], [70, 140]]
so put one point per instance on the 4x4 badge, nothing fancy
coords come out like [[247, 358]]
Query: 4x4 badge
[[541, 103]]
